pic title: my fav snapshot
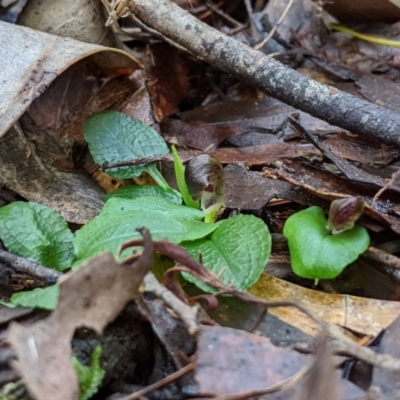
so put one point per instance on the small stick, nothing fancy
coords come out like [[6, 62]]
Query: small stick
[[168, 379], [258, 46], [266, 74], [30, 267]]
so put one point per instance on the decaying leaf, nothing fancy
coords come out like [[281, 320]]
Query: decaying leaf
[[235, 362], [250, 190], [321, 381], [90, 297], [365, 10], [331, 187], [386, 380], [77, 19], [167, 83], [358, 314], [31, 149]]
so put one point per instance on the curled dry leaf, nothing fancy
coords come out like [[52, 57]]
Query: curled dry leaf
[[78, 19], [41, 112], [89, 297]]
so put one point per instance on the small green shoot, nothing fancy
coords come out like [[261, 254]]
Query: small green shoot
[[362, 36], [210, 217], [89, 377], [180, 180]]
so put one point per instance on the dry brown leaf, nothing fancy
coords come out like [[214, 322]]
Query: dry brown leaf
[[355, 149], [321, 381], [28, 154], [363, 315], [365, 10], [249, 190], [90, 297], [267, 116], [331, 187], [206, 137], [167, 82], [77, 19], [232, 362], [388, 381], [265, 153]]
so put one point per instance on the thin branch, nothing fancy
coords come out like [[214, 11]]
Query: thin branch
[[165, 381], [29, 267], [340, 342], [260, 45], [187, 314], [268, 75]]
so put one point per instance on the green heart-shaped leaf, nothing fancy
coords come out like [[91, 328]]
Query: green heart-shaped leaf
[[237, 251], [314, 252]]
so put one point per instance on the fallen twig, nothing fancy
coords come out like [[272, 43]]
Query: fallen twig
[[340, 343], [265, 73], [168, 379], [20, 264], [260, 45], [187, 313]]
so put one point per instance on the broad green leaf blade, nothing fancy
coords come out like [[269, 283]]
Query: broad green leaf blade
[[45, 299], [114, 137], [314, 252], [150, 203], [109, 230], [237, 251], [37, 232], [133, 192], [340, 250], [304, 231], [198, 230], [89, 378]]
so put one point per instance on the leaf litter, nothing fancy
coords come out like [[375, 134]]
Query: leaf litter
[[297, 160], [90, 297]]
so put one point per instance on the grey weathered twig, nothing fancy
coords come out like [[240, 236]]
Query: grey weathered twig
[[30, 267], [188, 314], [265, 73]]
